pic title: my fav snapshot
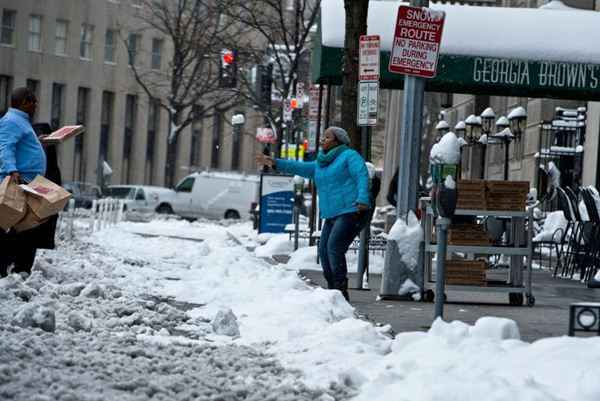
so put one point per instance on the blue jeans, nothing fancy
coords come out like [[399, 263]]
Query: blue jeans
[[336, 237]]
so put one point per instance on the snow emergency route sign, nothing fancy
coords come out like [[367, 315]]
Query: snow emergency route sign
[[368, 56], [417, 41]]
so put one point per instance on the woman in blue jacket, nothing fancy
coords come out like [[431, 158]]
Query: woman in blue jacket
[[342, 182]]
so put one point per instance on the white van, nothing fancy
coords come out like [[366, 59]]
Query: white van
[[216, 195], [142, 198]]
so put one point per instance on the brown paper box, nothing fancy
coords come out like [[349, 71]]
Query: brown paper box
[[45, 198], [12, 204], [28, 222]]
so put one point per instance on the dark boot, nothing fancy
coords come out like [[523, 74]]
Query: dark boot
[[343, 288]]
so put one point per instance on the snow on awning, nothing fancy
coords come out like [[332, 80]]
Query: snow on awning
[[568, 35], [525, 52]]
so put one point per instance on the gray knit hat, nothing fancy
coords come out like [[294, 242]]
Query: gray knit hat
[[340, 134]]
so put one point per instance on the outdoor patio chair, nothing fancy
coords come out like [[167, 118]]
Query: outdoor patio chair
[[574, 245], [560, 237], [589, 262]]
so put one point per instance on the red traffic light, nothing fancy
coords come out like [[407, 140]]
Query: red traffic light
[[228, 57], [294, 103]]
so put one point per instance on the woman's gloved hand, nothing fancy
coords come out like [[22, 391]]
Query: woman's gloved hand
[[264, 160]]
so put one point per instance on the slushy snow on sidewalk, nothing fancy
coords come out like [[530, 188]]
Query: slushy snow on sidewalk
[[120, 315]]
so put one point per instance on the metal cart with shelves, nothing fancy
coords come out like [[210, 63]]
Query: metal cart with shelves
[[519, 245]]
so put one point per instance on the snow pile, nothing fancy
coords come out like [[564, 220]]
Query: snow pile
[[408, 236], [449, 182], [446, 151], [554, 221], [278, 244], [150, 318], [455, 361], [87, 326], [409, 287]]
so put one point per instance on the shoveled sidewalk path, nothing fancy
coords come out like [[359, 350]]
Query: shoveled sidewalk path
[[548, 318]]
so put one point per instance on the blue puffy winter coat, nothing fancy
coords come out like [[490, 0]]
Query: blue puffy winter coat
[[341, 184]]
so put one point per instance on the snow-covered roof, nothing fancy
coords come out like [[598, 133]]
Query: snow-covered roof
[[568, 35]]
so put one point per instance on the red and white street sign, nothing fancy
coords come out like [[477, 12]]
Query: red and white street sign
[[368, 58], [266, 135], [417, 41]]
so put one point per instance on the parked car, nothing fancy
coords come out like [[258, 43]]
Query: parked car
[[143, 198], [215, 195], [83, 193]]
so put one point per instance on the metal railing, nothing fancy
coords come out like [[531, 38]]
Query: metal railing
[[104, 213]]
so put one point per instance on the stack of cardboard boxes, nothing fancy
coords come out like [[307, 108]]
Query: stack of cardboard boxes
[[25, 206]]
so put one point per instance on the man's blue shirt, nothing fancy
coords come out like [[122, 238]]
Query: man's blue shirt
[[20, 149]]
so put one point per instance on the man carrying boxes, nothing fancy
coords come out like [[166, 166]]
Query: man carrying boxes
[[23, 207]]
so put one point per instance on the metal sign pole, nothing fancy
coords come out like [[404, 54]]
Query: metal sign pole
[[363, 250], [313, 189], [367, 108], [440, 272], [409, 155]]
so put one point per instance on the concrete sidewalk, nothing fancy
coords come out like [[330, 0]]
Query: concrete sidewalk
[[548, 318]]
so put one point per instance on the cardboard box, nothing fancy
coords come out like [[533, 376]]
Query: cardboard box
[[31, 220], [13, 205], [45, 198]]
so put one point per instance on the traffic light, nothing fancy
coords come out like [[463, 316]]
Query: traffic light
[[294, 103], [264, 84], [228, 69]]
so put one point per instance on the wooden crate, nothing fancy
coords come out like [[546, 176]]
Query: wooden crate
[[466, 272], [471, 194], [508, 186], [471, 185], [506, 201], [467, 234], [472, 204]]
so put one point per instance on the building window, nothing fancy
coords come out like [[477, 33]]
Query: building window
[[5, 90], [108, 101], [34, 87], [60, 37], [216, 139], [7, 37], [133, 47], [85, 46], [153, 125], [110, 46], [156, 53], [56, 111], [83, 106], [35, 33], [130, 116], [196, 145]]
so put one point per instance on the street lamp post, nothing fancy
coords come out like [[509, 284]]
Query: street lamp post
[[442, 128], [473, 130], [237, 121], [460, 129], [517, 120], [505, 135], [487, 121]]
